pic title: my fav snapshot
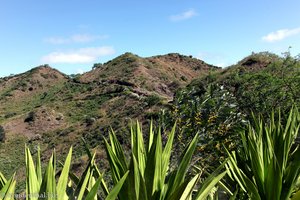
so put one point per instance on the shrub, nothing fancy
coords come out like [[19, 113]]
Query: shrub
[[152, 100], [2, 134], [30, 117], [211, 111]]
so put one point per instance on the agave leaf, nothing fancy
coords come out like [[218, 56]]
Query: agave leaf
[[10, 192], [92, 182], [178, 192], [7, 191], [151, 136], [184, 164], [84, 185], [157, 182], [2, 180], [115, 191], [32, 184], [64, 177], [92, 195], [292, 173], [141, 149], [208, 185], [116, 166], [39, 166], [153, 167], [103, 184], [133, 179], [167, 153], [117, 149], [97, 171], [86, 174], [48, 186], [244, 182], [187, 193]]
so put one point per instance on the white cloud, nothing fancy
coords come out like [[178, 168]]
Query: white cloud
[[280, 34], [184, 16], [77, 38], [84, 55]]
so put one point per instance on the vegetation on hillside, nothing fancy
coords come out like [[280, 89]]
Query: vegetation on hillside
[[268, 160], [219, 105], [45, 108]]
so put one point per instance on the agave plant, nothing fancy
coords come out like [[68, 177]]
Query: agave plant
[[268, 166], [68, 186], [7, 188], [150, 176]]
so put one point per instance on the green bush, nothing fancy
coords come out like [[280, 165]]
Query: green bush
[[153, 99], [214, 113]]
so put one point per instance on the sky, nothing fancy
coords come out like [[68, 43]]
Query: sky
[[72, 35]]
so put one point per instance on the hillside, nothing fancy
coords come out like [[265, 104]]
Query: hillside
[[46, 107], [260, 82], [219, 105], [162, 75]]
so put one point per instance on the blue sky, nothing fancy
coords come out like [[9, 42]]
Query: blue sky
[[71, 35]]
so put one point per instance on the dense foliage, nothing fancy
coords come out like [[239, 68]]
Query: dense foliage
[[213, 113], [219, 105]]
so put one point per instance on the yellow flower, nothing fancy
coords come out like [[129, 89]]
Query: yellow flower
[[212, 117], [223, 129], [201, 148], [198, 119], [218, 146]]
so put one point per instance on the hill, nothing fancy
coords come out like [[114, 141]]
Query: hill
[[159, 74], [48, 108]]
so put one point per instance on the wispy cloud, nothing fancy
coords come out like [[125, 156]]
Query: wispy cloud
[[77, 38], [83, 55], [280, 34], [184, 16]]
